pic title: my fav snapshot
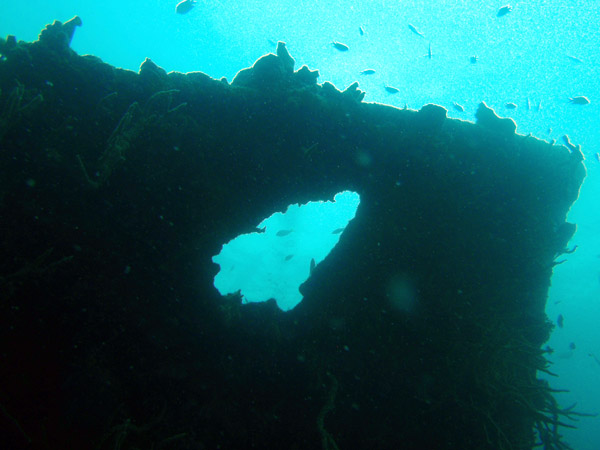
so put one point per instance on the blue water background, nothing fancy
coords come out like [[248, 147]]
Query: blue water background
[[521, 56]]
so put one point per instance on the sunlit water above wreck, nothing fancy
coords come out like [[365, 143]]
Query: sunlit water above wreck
[[541, 54], [274, 262]]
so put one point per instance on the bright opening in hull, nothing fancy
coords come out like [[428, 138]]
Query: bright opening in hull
[[275, 262]]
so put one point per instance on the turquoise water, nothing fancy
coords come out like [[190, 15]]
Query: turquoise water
[[521, 57], [276, 261]]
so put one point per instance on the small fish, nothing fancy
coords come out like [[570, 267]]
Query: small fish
[[338, 230], [539, 106], [595, 358], [361, 30], [313, 264], [528, 104], [572, 346], [473, 59], [581, 100], [504, 10], [458, 107], [510, 106], [339, 46], [598, 157], [392, 89], [412, 28], [575, 59], [288, 257], [429, 53], [560, 321], [368, 72], [282, 233], [185, 6]]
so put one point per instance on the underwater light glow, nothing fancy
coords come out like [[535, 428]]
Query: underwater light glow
[[273, 264]]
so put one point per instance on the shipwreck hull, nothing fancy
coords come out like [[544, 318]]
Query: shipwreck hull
[[117, 189]]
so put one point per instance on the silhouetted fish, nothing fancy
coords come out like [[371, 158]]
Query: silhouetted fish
[[368, 72], [581, 100], [392, 89], [339, 46], [338, 230], [288, 257], [504, 10], [313, 264], [185, 6], [458, 107], [560, 320], [282, 233], [414, 30], [510, 106]]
